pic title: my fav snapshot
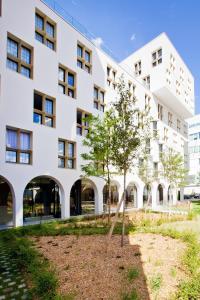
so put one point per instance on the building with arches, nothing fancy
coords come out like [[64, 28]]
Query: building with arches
[[52, 75]]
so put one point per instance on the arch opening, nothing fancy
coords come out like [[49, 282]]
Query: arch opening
[[6, 203], [147, 195], [114, 199], [82, 197], [131, 196], [41, 199], [160, 196]]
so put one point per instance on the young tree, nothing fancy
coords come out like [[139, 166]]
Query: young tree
[[127, 137], [174, 168], [100, 155]]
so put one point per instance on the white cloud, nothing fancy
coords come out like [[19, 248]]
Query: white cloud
[[98, 41], [133, 37]]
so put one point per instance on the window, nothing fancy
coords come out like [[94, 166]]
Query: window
[[19, 56], [18, 146], [147, 102], [66, 81], [157, 57], [160, 150], [178, 125], [160, 112], [155, 165], [82, 125], [170, 119], [66, 154], [111, 77], [44, 110], [165, 134], [146, 81], [138, 68], [155, 129], [45, 30], [84, 58], [99, 95]]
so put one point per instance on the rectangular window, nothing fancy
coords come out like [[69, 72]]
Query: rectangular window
[[82, 126], [66, 154], [99, 95], [66, 81], [44, 110], [146, 81], [84, 58], [45, 30], [138, 68], [157, 57], [160, 112], [170, 119], [178, 125], [19, 56], [18, 146], [147, 103], [111, 77]]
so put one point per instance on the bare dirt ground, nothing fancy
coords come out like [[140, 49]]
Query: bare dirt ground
[[89, 270]]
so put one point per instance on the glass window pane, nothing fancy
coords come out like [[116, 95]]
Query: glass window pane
[[61, 148], [70, 79], [61, 74], [24, 158], [79, 117], [12, 47], [61, 88], [87, 56], [37, 101], [39, 37], [79, 64], [49, 122], [70, 150], [70, 163], [25, 71], [50, 44], [11, 138], [154, 55], [95, 93], [50, 29], [102, 96], [79, 51], [102, 108], [37, 118], [39, 22], [25, 141], [12, 65], [11, 156], [96, 105], [49, 106], [79, 130], [26, 55], [70, 93], [61, 162]]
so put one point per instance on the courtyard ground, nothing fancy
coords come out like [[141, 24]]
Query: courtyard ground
[[72, 259]]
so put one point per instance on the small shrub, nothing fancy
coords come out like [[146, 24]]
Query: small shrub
[[156, 282], [133, 273], [130, 296], [173, 272]]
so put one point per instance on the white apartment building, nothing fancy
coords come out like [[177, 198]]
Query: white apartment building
[[51, 77], [194, 155]]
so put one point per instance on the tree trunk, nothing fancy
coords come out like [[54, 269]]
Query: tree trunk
[[123, 214], [109, 198], [116, 217]]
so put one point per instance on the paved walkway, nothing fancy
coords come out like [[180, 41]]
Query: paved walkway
[[12, 284]]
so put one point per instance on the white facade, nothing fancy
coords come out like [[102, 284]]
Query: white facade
[[17, 94], [194, 149]]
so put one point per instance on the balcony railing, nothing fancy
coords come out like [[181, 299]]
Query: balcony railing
[[77, 25]]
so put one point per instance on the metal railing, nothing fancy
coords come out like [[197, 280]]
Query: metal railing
[[78, 26]]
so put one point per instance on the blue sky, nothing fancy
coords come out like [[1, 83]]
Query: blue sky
[[126, 25]]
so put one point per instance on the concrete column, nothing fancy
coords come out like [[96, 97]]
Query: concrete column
[[18, 208], [174, 196], [181, 194], [140, 190], [165, 195], [154, 195], [65, 203]]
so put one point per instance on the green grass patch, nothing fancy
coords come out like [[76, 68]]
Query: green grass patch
[[133, 273], [156, 282], [130, 296]]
